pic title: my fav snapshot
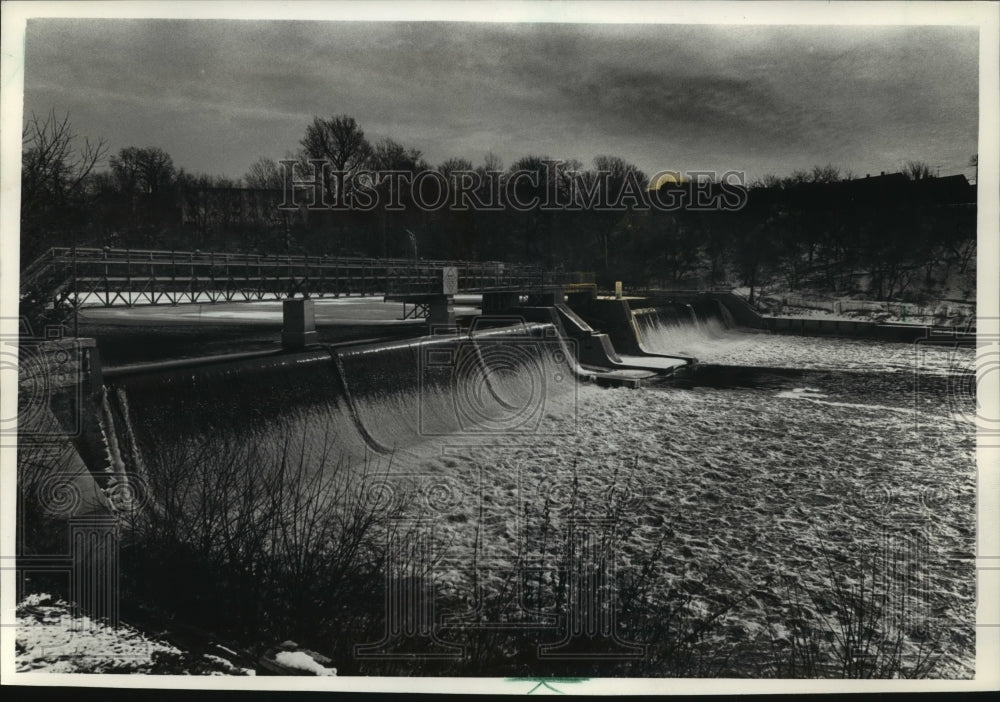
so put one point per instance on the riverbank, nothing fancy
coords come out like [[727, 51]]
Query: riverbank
[[52, 639], [938, 312]]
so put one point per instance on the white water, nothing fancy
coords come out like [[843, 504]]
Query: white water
[[731, 489], [740, 488], [712, 342]]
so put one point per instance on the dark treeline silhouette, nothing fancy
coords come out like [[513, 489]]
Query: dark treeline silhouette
[[891, 235]]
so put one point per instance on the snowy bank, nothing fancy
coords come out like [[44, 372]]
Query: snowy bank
[[51, 638]]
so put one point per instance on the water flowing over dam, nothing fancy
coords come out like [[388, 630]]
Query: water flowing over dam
[[519, 378], [510, 377], [668, 424], [355, 400]]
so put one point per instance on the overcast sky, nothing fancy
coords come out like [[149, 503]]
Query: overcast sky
[[218, 94]]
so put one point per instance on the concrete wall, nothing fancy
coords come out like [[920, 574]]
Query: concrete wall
[[364, 396], [742, 312], [62, 379], [614, 317], [863, 330], [705, 304]]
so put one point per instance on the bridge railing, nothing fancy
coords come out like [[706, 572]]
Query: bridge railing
[[66, 254], [142, 276], [570, 278]]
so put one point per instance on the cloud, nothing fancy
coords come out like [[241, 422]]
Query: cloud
[[216, 94]]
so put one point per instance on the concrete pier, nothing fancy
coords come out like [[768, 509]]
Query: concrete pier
[[441, 311], [63, 375], [298, 324]]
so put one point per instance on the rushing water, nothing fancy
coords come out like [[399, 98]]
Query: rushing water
[[788, 472], [790, 490]]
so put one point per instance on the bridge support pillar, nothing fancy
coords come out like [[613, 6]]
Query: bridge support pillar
[[61, 384], [298, 324], [66, 375], [441, 311]]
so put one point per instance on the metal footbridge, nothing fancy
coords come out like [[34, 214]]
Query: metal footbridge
[[66, 278]]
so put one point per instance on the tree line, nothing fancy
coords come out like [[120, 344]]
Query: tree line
[[824, 228]]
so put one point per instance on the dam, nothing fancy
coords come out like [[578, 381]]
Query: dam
[[537, 442]]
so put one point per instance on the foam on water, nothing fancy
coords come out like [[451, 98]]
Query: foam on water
[[704, 338], [712, 341], [763, 484]]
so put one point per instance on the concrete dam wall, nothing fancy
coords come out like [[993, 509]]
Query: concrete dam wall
[[506, 376], [325, 405]]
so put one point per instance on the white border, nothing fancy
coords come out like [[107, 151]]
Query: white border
[[985, 15]]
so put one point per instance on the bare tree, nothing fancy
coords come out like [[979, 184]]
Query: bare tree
[[454, 165], [489, 172], [390, 155], [617, 173], [491, 162], [264, 174], [825, 174], [125, 168], [798, 177], [917, 170], [769, 180], [340, 141], [54, 172], [156, 169], [146, 171]]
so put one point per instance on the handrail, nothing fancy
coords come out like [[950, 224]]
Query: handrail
[[157, 255], [126, 275]]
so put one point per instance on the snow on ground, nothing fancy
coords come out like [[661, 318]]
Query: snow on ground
[[300, 660], [51, 639], [878, 316]]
